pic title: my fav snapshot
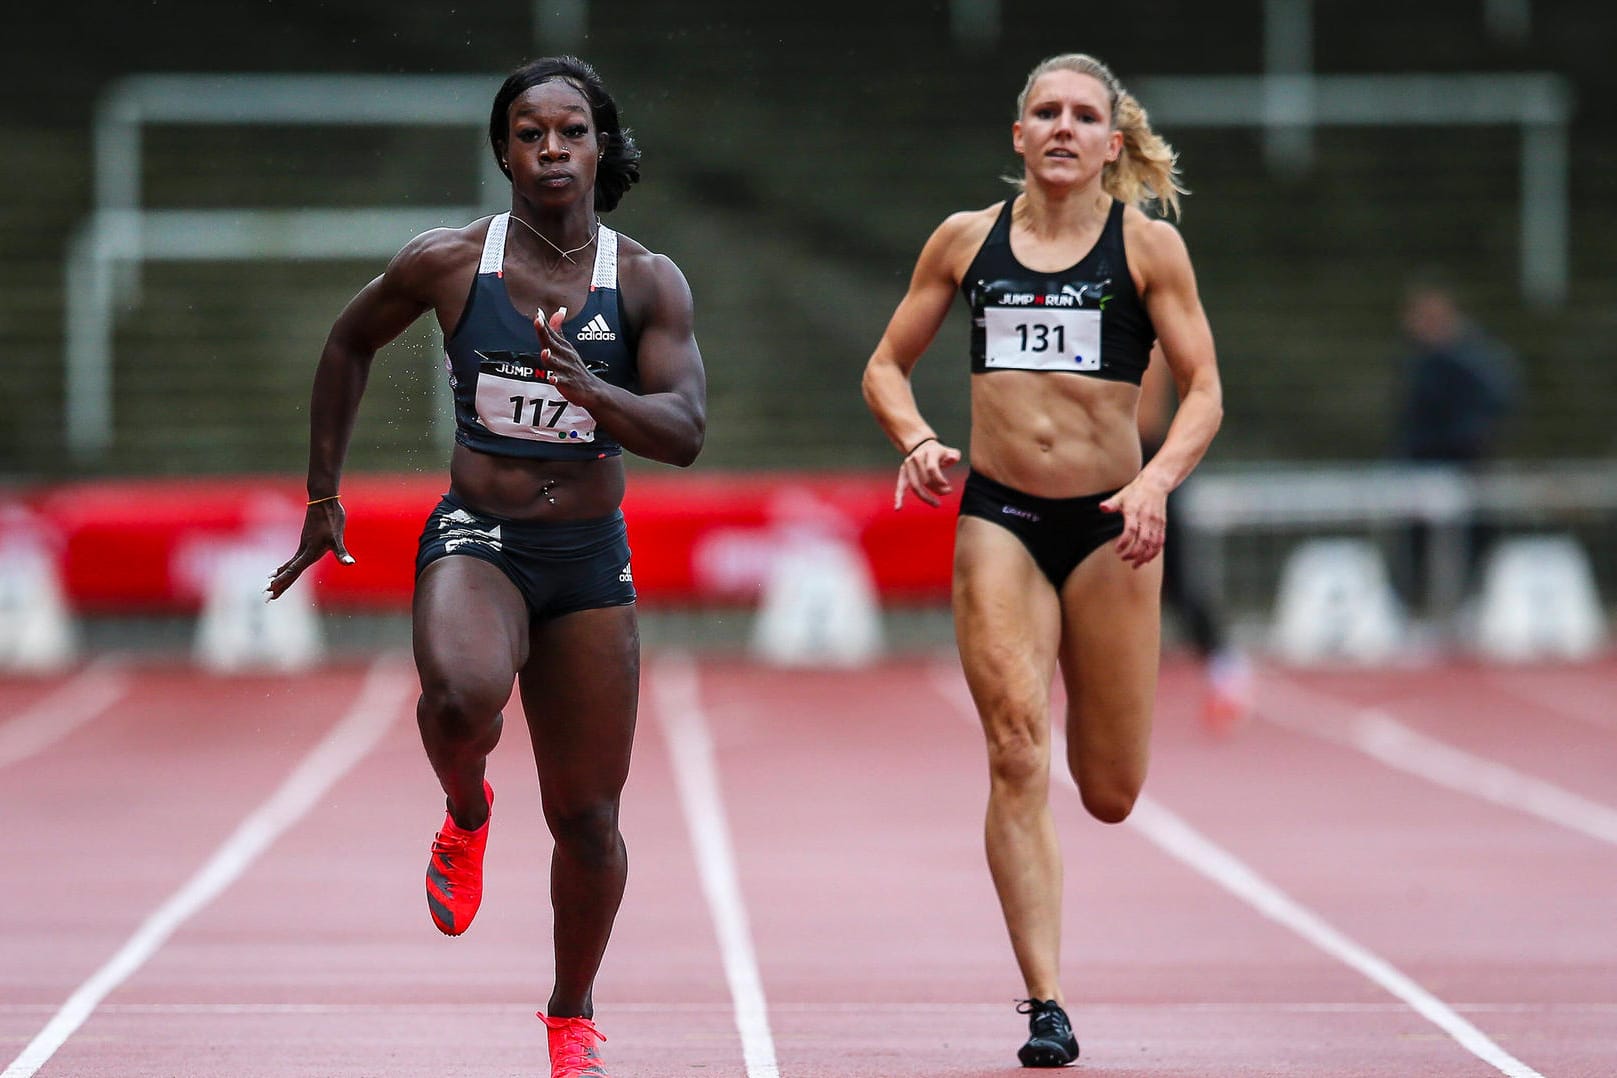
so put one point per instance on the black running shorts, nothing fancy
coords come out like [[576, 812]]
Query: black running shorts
[[559, 567], [1058, 532]]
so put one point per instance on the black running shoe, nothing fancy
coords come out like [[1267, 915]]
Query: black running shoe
[[1050, 1042]]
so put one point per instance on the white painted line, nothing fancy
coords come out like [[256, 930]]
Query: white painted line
[[1185, 844], [1382, 737], [1575, 694], [674, 686], [497, 1008], [380, 702], [95, 689]]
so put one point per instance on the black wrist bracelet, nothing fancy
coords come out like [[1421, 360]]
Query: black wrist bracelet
[[919, 444]]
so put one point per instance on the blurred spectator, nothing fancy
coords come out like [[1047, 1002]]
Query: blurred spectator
[[1227, 690], [1459, 385]]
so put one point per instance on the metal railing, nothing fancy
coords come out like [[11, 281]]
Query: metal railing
[[1273, 500], [106, 254], [107, 251]]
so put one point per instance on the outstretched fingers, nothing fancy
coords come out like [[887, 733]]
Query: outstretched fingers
[[288, 573], [322, 531], [1144, 526], [924, 472]]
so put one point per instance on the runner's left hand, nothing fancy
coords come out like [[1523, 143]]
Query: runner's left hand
[[1145, 520]]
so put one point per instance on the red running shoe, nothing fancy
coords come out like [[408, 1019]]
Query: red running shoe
[[1227, 700], [455, 873], [572, 1048]]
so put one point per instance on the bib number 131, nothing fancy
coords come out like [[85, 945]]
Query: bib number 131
[[1042, 339]]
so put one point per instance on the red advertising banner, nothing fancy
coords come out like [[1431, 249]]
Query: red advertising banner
[[698, 538]]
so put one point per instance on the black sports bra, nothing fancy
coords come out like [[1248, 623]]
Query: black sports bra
[[1087, 319]]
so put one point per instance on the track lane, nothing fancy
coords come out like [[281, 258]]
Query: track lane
[[855, 807], [321, 959], [36, 715], [1577, 691], [122, 810], [1508, 898], [1556, 737], [926, 929], [336, 751]]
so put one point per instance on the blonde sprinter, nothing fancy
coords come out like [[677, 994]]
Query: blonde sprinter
[[1069, 283]]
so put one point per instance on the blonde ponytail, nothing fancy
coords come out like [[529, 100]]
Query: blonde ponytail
[[1147, 169]]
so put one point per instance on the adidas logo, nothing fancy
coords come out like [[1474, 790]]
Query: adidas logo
[[597, 330], [625, 577]]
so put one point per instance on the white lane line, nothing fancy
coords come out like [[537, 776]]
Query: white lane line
[[1573, 694], [1183, 842], [1187, 845], [674, 686], [1382, 737], [381, 700], [95, 689], [896, 1007]]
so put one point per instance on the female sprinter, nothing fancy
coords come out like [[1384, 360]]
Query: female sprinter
[[1069, 283], [567, 344]]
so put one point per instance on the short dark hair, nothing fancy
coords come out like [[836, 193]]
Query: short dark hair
[[620, 155]]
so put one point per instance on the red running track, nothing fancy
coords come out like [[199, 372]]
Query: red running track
[[1389, 873]]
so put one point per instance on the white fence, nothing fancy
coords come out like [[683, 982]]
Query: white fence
[[1221, 507], [106, 253]]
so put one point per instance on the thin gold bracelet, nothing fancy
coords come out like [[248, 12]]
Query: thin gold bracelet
[[327, 498]]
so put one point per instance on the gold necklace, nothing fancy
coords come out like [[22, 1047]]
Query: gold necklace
[[568, 255]]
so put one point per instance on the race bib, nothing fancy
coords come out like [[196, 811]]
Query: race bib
[[1041, 339], [514, 400]]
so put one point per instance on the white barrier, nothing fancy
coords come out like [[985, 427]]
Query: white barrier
[[1336, 603], [37, 632], [1539, 601], [239, 632], [1224, 508], [819, 607]]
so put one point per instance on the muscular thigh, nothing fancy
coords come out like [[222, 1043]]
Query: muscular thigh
[[1111, 616], [580, 691], [1007, 621], [470, 626]]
